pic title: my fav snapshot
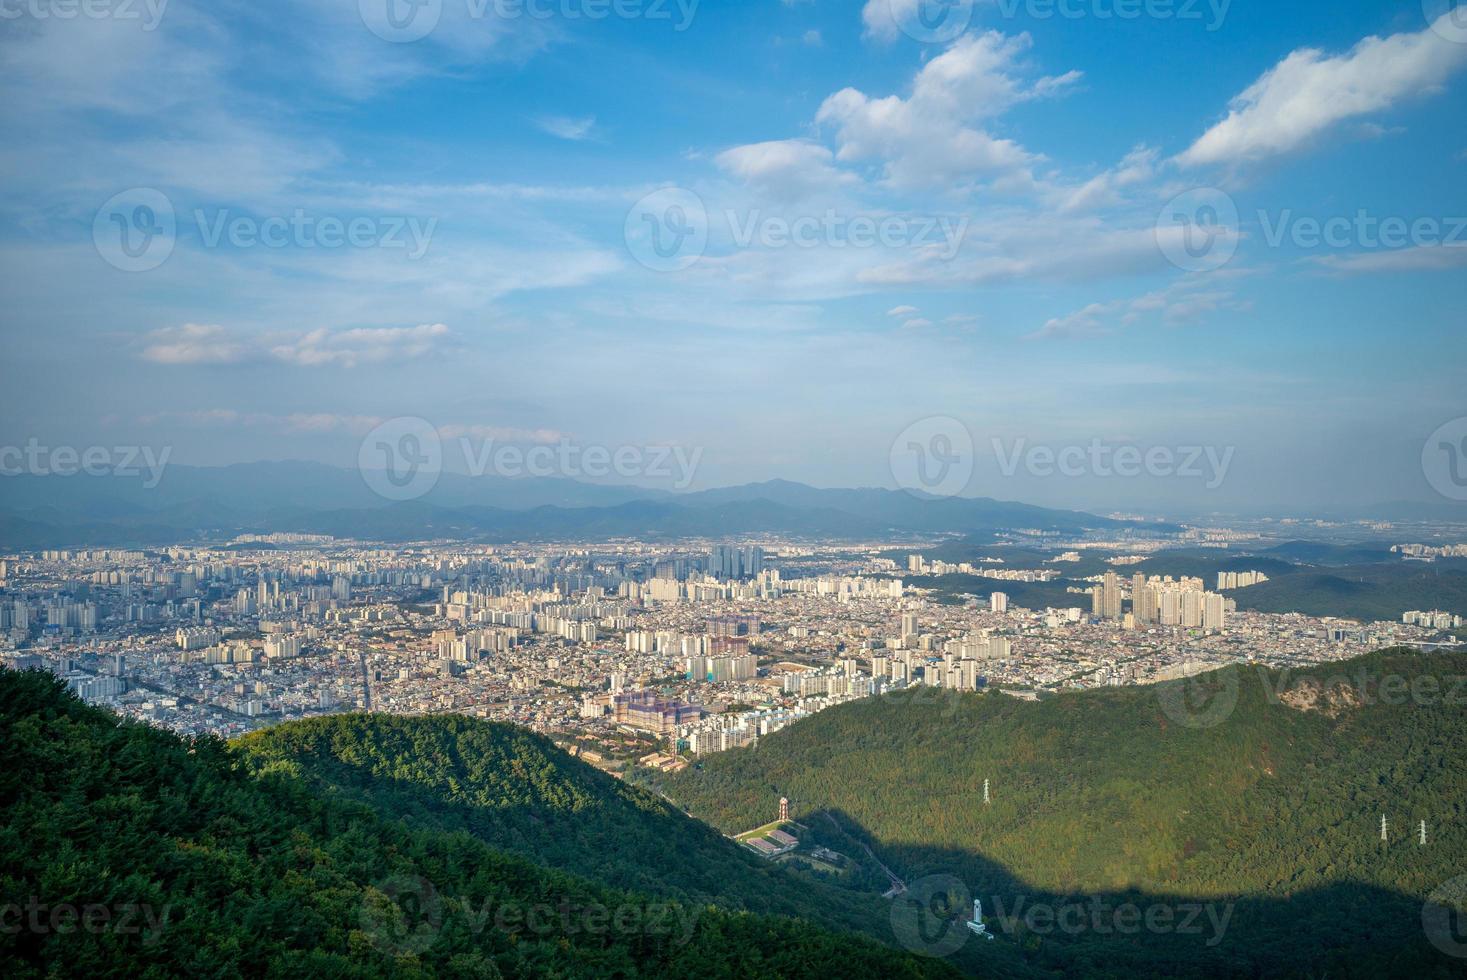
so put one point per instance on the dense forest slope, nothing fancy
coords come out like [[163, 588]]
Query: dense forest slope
[[131, 852], [1256, 791], [518, 792]]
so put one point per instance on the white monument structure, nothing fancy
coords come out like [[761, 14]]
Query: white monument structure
[[977, 924]]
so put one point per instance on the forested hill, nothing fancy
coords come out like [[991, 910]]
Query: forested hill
[[518, 792], [1249, 786], [131, 852]]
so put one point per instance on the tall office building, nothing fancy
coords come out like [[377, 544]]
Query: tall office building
[[998, 602]]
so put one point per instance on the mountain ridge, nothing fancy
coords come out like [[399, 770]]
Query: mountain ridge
[[314, 498]]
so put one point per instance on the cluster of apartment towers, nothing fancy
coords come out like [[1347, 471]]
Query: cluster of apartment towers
[[1158, 601]]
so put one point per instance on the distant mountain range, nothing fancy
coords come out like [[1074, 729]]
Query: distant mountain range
[[190, 502]]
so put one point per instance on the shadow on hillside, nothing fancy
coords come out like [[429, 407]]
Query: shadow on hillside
[[630, 841], [568, 816], [1345, 929]]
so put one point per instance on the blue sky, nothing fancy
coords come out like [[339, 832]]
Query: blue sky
[[1031, 281]]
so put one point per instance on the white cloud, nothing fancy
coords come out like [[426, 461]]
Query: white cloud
[[349, 348], [784, 168], [331, 422], [878, 19], [930, 137], [1308, 92], [1136, 168], [917, 323], [902, 311], [1421, 258], [498, 433], [193, 343], [1086, 322], [566, 128], [1180, 303], [295, 422], [1375, 131]]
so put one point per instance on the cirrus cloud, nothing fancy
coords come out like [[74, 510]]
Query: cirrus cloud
[[201, 344]]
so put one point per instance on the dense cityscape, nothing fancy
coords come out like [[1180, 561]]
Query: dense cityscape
[[627, 652]]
